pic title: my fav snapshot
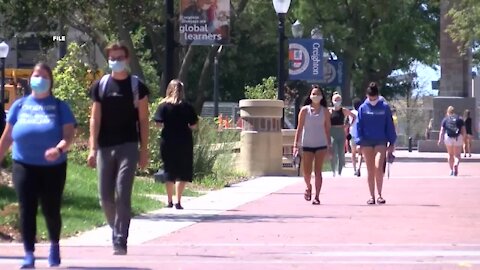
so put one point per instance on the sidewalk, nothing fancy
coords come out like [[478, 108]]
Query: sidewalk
[[430, 221], [415, 156]]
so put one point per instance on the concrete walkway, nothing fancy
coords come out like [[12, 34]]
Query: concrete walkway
[[430, 221]]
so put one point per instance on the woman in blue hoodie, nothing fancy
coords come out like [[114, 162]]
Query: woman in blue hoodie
[[376, 136]]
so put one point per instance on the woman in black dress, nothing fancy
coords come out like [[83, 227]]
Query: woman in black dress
[[178, 118], [468, 140]]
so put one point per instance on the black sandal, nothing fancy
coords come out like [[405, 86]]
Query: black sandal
[[371, 201], [308, 194], [170, 204], [381, 200], [316, 201]]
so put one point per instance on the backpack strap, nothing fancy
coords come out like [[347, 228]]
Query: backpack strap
[[102, 86], [134, 80]]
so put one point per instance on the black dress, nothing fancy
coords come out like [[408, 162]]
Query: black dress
[[176, 145], [468, 126]]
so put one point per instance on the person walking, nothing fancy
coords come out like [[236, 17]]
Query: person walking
[[376, 136], [337, 131], [41, 129], [356, 155], [452, 134], [118, 123], [467, 146], [177, 119], [314, 132]]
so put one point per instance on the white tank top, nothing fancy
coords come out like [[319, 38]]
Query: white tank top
[[313, 134]]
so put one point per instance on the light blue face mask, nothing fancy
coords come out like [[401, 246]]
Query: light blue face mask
[[116, 65], [39, 85]]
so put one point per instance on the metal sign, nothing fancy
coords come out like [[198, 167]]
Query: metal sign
[[305, 59], [333, 73]]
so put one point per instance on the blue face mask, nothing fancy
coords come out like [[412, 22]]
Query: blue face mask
[[117, 66], [39, 85]]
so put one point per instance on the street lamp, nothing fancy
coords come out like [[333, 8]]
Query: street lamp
[[3, 54], [297, 32], [281, 8], [215, 81], [297, 29]]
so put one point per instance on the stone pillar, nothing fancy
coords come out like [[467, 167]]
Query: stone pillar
[[456, 72], [261, 144]]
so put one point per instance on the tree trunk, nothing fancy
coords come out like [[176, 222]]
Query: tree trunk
[[347, 93], [116, 12], [186, 63], [203, 79], [158, 51]]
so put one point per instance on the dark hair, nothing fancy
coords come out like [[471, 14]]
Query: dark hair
[[372, 89], [48, 69], [308, 100], [356, 103], [117, 46]]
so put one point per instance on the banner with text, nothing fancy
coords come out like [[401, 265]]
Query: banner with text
[[305, 59], [204, 22]]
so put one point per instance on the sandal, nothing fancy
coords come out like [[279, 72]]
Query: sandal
[[316, 201], [170, 204], [308, 194], [371, 201], [381, 200]]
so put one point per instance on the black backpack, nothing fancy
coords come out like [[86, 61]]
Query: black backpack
[[452, 127]]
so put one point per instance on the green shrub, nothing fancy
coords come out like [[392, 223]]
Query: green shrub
[[264, 90], [71, 83], [209, 146], [154, 140]]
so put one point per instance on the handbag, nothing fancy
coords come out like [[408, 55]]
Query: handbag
[[160, 176]]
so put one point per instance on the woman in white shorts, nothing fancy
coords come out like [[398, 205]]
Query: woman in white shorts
[[452, 134]]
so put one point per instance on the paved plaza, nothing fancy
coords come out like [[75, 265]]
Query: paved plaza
[[430, 221]]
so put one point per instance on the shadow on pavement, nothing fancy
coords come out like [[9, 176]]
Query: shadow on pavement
[[231, 218], [106, 268]]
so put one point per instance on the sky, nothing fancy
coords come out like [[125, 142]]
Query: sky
[[425, 76]]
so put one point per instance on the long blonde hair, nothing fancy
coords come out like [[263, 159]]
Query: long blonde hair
[[450, 110], [175, 93]]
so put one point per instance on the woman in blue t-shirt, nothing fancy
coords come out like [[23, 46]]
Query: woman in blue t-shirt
[[376, 136], [40, 129]]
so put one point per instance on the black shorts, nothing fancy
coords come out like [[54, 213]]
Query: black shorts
[[313, 149]]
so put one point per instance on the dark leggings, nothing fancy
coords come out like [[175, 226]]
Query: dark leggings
[[44, 183]]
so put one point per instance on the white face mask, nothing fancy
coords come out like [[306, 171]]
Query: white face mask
[[316, 99], [337, 103], [373, 102]]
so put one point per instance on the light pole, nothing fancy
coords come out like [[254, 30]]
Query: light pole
[[3, 54], [215, 81], [281, 8], [297, 32], [169, 45]]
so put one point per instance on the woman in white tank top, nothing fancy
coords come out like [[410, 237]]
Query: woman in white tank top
[[314, 131]]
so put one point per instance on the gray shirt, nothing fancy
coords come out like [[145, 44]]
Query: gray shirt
[[313, 134]]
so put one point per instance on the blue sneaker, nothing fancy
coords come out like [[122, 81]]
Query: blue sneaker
[[28, 261], [54, 256], [451, 173]]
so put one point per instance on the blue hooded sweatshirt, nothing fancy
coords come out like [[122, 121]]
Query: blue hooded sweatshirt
[[375, 123]]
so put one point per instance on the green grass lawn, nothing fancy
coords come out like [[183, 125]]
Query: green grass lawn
[[81, 209]]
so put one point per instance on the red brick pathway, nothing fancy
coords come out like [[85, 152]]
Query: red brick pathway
[[430, 221]]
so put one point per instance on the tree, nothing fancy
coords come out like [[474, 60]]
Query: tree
[[375, 37], [464, 29]]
